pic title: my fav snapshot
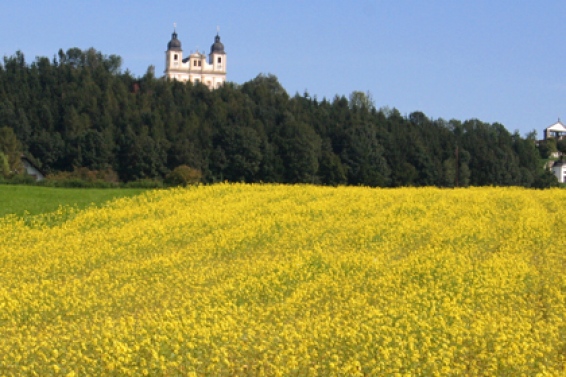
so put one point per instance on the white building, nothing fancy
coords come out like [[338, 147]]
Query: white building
[[196, 68], [31, 169], [559, 170], [557, 130]]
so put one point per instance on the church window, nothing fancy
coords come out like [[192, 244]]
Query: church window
[[175, 57], [194, 63], [219, 59], [199, 63]]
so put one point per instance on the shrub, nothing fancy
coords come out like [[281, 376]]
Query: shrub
[[83, 177], [183, 175], [21, 179], [84, 174]]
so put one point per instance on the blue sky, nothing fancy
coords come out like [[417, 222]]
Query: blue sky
[[499, 61]]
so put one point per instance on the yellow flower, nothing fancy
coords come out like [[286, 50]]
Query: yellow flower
[[287, 280]]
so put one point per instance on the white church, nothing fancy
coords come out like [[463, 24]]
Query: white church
[[196, 68]]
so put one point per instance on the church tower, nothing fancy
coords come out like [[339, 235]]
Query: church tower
[[174, 59], [217, 56], [195, 68]]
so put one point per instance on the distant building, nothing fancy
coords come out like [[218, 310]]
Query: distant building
[[557, 131], [196, 68], [559, 170], [31, 169]]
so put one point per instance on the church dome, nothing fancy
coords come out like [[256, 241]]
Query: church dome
[[174, 44], [217, 47]]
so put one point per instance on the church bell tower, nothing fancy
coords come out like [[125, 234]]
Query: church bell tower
[[173, 55]]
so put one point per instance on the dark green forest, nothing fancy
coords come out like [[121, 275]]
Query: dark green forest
[[80, 110]]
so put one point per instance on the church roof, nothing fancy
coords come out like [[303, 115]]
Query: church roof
[[174, 44], [217, 47]]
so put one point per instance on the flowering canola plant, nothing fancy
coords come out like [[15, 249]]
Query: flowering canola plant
[[275, 280]]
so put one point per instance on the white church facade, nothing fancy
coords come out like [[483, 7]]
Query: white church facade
[[196, 68]]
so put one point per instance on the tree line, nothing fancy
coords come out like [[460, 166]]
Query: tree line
[[80, 110]]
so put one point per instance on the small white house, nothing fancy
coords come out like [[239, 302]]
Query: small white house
[[559, 170], [31, 169], [557, 130]]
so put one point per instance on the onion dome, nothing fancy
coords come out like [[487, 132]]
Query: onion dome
[[217, 47], [174, 44]]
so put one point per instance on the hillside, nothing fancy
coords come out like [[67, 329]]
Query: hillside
[[79, 110]]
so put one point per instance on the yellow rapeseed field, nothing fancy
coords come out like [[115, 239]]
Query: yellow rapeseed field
[[274, 280]]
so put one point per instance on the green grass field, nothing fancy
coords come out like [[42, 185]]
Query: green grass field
[[35, 200]]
